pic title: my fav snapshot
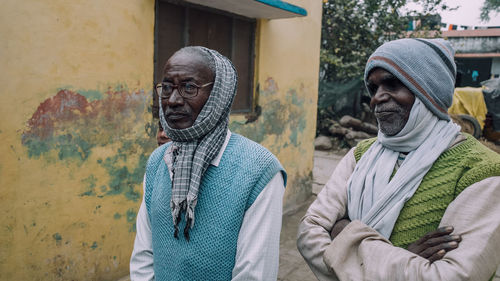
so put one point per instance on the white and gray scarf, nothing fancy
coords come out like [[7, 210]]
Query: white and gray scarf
[[194, 148], [375, 198]]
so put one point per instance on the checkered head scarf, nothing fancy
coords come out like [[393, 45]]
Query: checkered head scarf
[[195, 147]]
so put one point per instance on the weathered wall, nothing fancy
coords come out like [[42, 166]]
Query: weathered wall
[[76, 79], [475, 44], [287, 68]]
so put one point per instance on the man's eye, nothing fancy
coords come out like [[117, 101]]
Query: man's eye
[[372, 89], [392, 83], [167, 87], [190, 87]]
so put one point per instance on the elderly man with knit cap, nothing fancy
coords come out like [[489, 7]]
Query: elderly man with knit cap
[[212, 199], [419, 202]]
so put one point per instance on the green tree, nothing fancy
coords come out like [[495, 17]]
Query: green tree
[[353, 29], [488, 7]]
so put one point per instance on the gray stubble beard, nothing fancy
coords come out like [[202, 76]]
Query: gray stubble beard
[[391, 124]]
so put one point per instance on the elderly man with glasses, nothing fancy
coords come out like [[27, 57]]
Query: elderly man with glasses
[[212, 199]]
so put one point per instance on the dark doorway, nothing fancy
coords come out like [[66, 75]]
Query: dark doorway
[[472, 71]]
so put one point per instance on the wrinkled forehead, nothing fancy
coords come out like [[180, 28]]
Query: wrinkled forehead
[[188, 63], [381, 73]]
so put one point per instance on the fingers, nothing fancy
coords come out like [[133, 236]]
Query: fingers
[[445, 230], [435, 244], [442, 239], [437, 252], [437, 256], [440, 253]]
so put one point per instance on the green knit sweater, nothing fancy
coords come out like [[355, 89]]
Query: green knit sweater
[[457, 168]]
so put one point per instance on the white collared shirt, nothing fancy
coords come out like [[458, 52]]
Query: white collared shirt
[[257, 251]]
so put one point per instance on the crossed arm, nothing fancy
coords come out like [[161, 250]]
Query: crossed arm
[[358, 252]]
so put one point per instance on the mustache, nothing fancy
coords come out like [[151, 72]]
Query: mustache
[[388, 108], [176, 112]]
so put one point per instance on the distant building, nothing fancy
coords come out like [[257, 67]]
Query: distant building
[[477, 54]]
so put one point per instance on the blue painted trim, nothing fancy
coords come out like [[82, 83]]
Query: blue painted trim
[[284, 6]]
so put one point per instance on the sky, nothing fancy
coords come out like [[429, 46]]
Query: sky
[[468, 14]]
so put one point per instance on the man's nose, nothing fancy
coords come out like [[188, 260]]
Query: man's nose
[[380, 96], [175, 98]]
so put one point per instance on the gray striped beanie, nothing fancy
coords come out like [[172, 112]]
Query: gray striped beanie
[[425, 66]]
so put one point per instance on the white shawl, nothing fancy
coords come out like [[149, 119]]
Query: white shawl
[[376, 199]]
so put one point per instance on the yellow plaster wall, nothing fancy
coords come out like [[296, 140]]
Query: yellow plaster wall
[[62, 216], [287, 68]]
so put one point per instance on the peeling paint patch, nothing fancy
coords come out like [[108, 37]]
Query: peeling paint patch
[[70, 126], [91, 95], [279, 115], [90, 183], [61, 267], [57, 237], [131, 215], [97, 209], [123, 181]]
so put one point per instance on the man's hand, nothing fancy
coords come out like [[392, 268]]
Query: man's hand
[[338, 227], [434, 245]]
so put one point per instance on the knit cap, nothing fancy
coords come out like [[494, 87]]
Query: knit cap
[[425, 66]]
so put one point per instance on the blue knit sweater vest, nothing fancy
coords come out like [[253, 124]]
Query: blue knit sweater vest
[[226, 192]]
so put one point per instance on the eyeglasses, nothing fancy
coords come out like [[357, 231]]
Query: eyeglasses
[[186, 89]]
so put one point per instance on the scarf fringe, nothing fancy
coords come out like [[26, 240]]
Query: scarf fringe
[[186, 229], [176, 215], [189, 219], [177, 209]]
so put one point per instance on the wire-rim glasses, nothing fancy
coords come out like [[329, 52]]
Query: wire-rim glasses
[[185, 89]]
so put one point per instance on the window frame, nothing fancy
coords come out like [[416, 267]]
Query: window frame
[[158, 65]]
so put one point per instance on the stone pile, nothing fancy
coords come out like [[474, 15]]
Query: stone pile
[[348, 131]]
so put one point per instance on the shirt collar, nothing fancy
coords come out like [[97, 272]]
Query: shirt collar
[[217, 158], [215, 162]]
